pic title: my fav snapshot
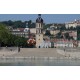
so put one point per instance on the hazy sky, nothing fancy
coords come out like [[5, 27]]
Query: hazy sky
[[48, 18]]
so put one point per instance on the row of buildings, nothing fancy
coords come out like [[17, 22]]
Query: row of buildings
[[67, 25], [73, 24], [65, 43], [23, 32], [39, 34]]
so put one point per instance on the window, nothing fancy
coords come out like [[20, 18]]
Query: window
[[39, 31], [39, 25]]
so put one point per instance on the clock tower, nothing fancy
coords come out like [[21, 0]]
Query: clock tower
[[39, 29]]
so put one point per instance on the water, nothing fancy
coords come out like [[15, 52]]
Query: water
[[44, 63]]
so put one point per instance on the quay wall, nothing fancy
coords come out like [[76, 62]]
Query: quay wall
[[36, 54]]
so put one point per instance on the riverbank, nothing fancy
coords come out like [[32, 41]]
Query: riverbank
[[36, 54], [30, 52]]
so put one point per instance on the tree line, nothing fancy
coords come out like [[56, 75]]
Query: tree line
[[18, 24]]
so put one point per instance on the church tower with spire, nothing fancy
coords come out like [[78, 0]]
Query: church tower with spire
[[39, 28]]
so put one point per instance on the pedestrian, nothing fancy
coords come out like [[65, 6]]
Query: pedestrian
[[39, 46], [64, 49], [18, 49]]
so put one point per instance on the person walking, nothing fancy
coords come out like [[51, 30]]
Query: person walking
[[18, 49]]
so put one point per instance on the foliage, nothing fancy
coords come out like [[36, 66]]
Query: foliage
[[7, 39], [78, 32], [58, 35], [20, 41], [17, 24], [62, 28], [45, 26], [3, 34], [47, 33]]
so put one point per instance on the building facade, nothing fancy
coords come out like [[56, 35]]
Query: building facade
[[21, 32], [73, 24], [65, 43]]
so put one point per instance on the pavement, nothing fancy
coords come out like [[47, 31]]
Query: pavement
[[30, 52]]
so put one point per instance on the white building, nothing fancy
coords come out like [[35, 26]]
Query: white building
[[65, 43], [45, 44], [53, 26], [20, 32], [72, 24]]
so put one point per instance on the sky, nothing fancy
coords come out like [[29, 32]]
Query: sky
[[48, 18]]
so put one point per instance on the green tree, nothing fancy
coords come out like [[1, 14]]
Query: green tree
[[4, 32], [29, 23], [11, 39], [45, 26], [19, 24], [20, 41], [7, 39], [47, 33]]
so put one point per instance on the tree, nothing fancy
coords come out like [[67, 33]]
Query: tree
[[29, 23], [62, 28], [47, 33], [20, 41], [78, 34], [71, 28], [11, 39], [59, 35], [8, 23], [66, 35], [45, 26], [19, 24], [3, 34]]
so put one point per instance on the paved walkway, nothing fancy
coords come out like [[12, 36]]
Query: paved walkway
[[36, 52]]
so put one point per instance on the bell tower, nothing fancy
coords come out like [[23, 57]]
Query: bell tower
[[39, 28]]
